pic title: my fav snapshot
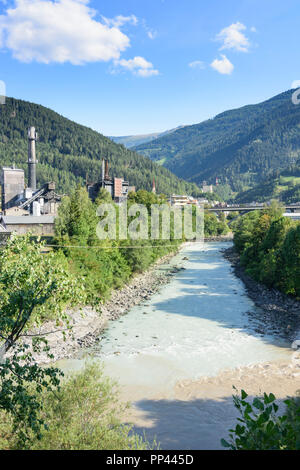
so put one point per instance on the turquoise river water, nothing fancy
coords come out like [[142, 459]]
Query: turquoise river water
[[199, 324]]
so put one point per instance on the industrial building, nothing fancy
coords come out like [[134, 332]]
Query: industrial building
[[27, 208], [12, 187], [37, 225], [19, 200], [117, 187]]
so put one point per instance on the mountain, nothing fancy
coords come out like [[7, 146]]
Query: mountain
[[134, 140], [240, 147], [284, 185], [68, 153]]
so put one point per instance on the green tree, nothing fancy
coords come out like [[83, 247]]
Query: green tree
[[84, 414], [83, 219], [290, 257], [34, 286], [270, 249]]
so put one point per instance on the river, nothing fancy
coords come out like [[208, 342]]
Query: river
[[199, 325]]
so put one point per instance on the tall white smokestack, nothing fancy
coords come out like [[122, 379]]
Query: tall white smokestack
[[32, 161]]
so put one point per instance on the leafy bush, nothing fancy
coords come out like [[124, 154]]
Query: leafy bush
[[85, 414], [214, 226], [104, 265], [34, 287], [269, 245], [261, 427]]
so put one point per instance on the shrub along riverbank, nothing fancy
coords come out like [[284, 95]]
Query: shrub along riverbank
[[104, 265], [38, 407], [269, 248], [84, 413]]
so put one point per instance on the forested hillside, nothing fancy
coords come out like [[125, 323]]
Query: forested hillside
[[68, 152], [282, 185], [241, 146]]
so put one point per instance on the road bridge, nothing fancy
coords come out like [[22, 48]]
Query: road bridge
[[248, 208]]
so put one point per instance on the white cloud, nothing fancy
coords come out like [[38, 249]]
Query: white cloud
[[197, 64], [253, 29], [139, 66], [233, 38], [120, 20], [147, 72], [62, 31], [223, 66], [2, 92]]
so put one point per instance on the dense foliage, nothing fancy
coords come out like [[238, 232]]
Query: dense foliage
[[37, 409], [214, 226], [240, 146], [84, 414], [269, 245], [68, 153], [283, 185], [33, 287], [104, 264], [262, 427]]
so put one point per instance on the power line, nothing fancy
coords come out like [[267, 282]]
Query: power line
[[110, 247]]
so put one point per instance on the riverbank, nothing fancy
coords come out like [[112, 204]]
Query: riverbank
[[277, 308], [220, 238], [87, 324]]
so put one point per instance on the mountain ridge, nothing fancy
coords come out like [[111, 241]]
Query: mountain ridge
[[69, 153], [240, 146], [130, 141]]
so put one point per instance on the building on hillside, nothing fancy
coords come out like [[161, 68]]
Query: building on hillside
[[116, 187], [182, 200], [207, 188]]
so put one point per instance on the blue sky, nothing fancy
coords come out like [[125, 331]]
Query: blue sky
[[137, 66]]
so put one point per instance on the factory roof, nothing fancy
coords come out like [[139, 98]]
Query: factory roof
[[12, 168], [27, 219]]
